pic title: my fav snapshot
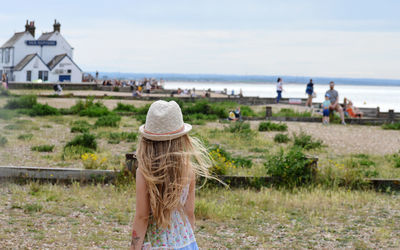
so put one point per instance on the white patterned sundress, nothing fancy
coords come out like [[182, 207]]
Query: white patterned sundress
[[179, 236]]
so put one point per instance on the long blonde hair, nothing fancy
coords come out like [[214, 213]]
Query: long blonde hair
[[168, 167]]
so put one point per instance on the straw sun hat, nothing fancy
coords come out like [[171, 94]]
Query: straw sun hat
[[164, 122]]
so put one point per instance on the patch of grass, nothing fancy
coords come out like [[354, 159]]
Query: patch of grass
[[108, 121], [306, 141], [6, 114], [22, 102], [3, 141], [43, 148], [25, 137], [392, 126], [80, 126], [239, 128], [116, 137], [270, 126], [281, 138], [4, 92], [32, 208], [287, 112]]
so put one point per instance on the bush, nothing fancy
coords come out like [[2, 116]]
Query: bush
[[80, 126], [3, 141], [221, 161], [396, 160], [246, 111], [111, 120], [393, 126], [281, 138], [93, 161], [89, 108], [43, 110], [125, 108], [243, 162], [43, 148], [22, 102], [86, 140], [239, 128], [25, 137], [291, 169], [306, 141], [269, 126]]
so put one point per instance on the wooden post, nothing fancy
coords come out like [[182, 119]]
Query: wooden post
[[268, 111], [391, 115], [131, 162]]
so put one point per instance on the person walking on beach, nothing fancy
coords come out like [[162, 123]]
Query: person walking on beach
[[334, 98], [310, 93], [169, 160], [279, 89], [4, 81]]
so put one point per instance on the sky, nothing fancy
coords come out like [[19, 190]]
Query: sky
[[330, 38]]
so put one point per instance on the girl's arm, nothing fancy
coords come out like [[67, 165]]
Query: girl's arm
[[142, 212], [189, 205]]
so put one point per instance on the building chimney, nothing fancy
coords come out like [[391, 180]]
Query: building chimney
[[56, 26], [30, 27]]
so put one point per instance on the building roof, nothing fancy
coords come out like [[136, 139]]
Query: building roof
[[57, 59], [24, 62], [53, 62], [13, 39], [46, 35]]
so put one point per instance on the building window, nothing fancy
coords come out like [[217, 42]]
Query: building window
[[7, 56], [69, 71], [44, 75], [28, 75]]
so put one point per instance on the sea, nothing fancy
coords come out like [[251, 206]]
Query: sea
[[363, 92]]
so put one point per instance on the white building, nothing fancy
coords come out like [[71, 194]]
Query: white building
[[49, 58]]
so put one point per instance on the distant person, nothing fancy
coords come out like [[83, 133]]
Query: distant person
[[310, 93], [148, 87], [238, 114], [325, 109], [334, 98], [232, 116], [279, 89], [4, 81], [57, 89], [351, 110]]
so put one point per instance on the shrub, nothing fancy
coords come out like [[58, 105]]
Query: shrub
[[141, 118], [25, 137], [89, 108], [111, 120], [3, 141], [239, 128], [269, 126], [281, 138], [221, 162], [22, 102], [85, 140], [92, 161], [291, 169], [306, 141], [396, 160], [393, 126], [43, 110], [124, 108], [43, 148], [80, 126], [246, 111], [243, 162]]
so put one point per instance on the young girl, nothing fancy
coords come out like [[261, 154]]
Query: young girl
[[168, 162]]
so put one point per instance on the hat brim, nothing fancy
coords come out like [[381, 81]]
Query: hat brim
[[187, 128]]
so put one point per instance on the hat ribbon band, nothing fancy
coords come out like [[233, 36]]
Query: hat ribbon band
[[168, 133]]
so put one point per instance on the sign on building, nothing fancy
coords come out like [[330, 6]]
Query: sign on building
[[41, 42]]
